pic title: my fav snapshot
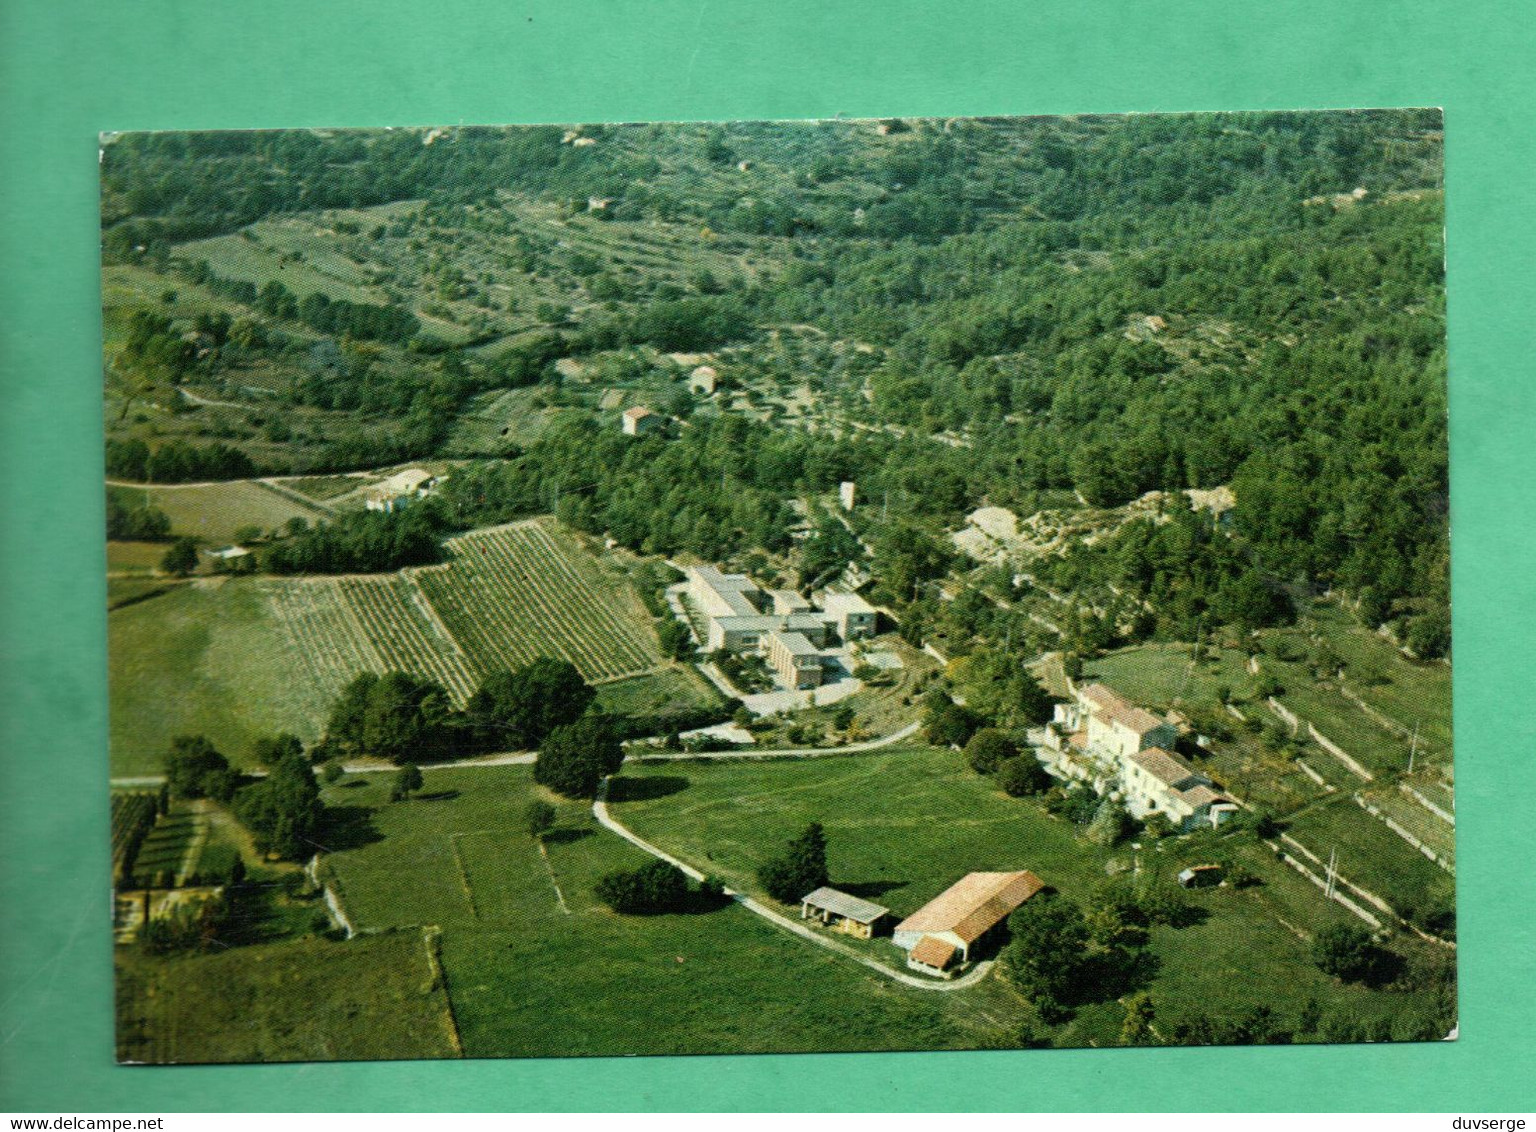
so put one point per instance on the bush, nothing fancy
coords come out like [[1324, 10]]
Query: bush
[[652, 888], [988, 749], [1022, 776]]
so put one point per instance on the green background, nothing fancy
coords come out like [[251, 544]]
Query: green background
[[69, 68]]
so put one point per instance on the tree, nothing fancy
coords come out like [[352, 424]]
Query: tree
[[515, 710], [283, 810], [181, 558], [269, 750], [801, 869], [675, 639], [195, 769], [659, 886], [331, 773], [396, 716], [540, 816], [1022, 776], [1350, 955], [408, 780], [1137, 1027], [948, 724], [988, 749], [578, 756], [1048, 942]]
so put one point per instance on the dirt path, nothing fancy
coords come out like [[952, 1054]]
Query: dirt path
[[784, 923], [524, 758]]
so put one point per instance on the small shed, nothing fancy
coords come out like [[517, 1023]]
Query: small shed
[[639, 420], [843, 912], [703, 381]]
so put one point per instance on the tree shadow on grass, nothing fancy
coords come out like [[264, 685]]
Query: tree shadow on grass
[[565, 836], [436, 796], [346, 827], [870, 889], [643, 789]]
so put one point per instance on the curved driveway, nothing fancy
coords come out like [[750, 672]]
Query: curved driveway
[[610, 823]]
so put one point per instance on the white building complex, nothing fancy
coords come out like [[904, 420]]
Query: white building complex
[[1118, 748], [740, 617]]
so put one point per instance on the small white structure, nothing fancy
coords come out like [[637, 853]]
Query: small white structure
[[845, 494], [704, 380], [640, 420]]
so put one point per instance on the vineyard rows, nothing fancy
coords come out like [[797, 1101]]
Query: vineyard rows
[[507, 597], [516, 595], [132, 815], [406, 635]]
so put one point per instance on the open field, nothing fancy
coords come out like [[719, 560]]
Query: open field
[[677, 687], [214, 512], [529, 978], [296, 1000], [202, 659], [1372, 855], [237, 658]]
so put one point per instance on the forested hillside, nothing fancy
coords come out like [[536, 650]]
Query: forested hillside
[[1083, 310]]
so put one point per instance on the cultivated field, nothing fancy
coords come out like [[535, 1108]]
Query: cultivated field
[[237, 658], [214, 512]]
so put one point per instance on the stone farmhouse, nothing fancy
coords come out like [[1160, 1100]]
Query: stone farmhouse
[[400, 489], [962, 919], [781, 624], [1103, 739]]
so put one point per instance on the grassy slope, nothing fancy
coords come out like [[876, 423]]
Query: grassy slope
[[203, 659], [881, 811], [298, 1000]]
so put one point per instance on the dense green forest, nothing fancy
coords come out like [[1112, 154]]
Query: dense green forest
[[1093, 306]]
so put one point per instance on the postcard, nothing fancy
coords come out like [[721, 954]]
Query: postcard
[[899, 584]]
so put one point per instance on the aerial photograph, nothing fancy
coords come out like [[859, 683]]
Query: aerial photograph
[[766, 587]]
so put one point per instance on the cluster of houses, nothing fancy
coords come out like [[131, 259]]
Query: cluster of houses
[[780, 624], [1100, 738], [945, 933]]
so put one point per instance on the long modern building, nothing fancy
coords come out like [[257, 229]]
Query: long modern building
[[741, 617], [962, 918]]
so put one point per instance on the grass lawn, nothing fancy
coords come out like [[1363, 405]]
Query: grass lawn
[[1160, 676], [880, 811], [297, 1000], [203, 659]]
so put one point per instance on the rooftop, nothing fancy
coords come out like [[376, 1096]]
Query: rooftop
[[933, 952], [973, 904], [849, 907], [846, 603], [1111, 705], [1165, 766], [795, 643]]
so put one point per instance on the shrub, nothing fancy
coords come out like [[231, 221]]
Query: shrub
[[652, 888]]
